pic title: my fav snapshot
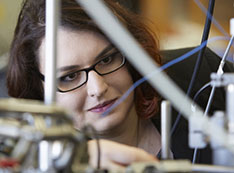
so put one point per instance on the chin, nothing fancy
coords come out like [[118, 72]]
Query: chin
[[107, 125]]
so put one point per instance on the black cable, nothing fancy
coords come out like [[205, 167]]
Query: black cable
[[201, 52], [91, 132], [99, 152], [199, 58]]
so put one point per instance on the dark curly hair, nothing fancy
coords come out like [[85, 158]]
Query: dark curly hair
[[23, 82]]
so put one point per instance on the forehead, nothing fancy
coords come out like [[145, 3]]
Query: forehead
[[75, 48]]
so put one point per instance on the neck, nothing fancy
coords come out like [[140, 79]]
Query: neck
[[127, 132], [149, 138]]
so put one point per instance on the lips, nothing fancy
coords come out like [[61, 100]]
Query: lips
[[100, 108]]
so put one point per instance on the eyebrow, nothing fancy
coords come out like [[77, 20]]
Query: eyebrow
[[104, 51], [100, 55]]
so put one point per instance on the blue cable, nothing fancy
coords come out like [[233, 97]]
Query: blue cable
[[169, 64], [137, 83]]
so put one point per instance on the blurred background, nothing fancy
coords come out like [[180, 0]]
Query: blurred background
[[177, 24], [180, 23]]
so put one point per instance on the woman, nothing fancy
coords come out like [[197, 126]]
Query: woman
[[92, 76], [88, 92]]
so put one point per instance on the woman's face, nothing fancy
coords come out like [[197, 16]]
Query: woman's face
[[79, 50]]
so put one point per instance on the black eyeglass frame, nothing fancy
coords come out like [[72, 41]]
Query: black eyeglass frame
[[87, 70]]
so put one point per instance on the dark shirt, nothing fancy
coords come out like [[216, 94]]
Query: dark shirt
[[181, 74]]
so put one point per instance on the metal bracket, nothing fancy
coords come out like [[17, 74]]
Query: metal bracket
[[218, 80]]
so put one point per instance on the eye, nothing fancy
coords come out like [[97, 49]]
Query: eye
[[69, 78], [106, 60]]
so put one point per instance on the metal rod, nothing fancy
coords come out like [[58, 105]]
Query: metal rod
[[232, 26], [52, 7], [165, 129], [141, 61], [230, 108], [44, 156], [219, 72], [213, 168], [137, 56]]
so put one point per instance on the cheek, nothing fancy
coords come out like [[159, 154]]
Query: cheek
[[71, 101], [124, 80]]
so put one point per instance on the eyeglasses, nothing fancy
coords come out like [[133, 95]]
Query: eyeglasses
[[108, 64]]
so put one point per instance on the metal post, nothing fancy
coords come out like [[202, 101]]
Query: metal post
[[230, 110], [165, 128], [52, 7]]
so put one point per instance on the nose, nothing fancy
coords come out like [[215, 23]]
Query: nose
[[96, 85]]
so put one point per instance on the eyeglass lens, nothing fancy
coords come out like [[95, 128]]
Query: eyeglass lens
[[104, 66]]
